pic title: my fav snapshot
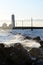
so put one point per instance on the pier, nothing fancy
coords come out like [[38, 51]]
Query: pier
[[22, 24], [29, 22], [28, 28]]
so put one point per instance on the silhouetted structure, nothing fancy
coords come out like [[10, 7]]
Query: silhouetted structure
[[13, 21], [31, 24], [26, 27], [10, 26], [4, 26]]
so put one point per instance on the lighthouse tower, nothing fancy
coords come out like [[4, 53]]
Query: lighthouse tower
[[13, 21]]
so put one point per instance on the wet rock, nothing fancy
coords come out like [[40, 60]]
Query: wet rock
[[35, 52], [27, 37], [3, 56], [2, 45], [37, 39], [38, 61], [41, 43], [19, 55], [14, 55]]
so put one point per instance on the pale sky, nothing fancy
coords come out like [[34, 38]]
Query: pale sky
[[23, 9]]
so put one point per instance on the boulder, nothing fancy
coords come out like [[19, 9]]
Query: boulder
[[2, 45], [18, 55], [35, 52], [27, 37], [37, 39], [41, 43], [38, 62]]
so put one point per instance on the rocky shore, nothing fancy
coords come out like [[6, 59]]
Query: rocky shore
[[18, 55]]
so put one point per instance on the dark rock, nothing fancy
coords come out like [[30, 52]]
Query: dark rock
[[38, 62], [41, 43], [37, 39], [19, 55], [27, 37], [35, 52], [14, 55], [2, 45]]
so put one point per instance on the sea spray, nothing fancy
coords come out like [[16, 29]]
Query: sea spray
[[25, 42], [9, 39]]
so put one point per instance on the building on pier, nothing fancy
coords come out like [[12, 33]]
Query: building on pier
[[13, 21]]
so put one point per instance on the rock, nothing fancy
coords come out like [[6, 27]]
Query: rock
[[41, 43], [38, 62], [19, 55], [14, 55], [2, 45], [37, 39], [35, 52], [27, 37]]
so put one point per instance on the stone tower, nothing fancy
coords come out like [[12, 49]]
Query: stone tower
[[13, 21]]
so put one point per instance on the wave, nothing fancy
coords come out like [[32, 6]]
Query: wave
[[9, 38]]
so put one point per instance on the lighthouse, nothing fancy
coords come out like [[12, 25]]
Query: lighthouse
[[13, 21]]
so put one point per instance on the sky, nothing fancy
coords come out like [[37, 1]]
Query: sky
[[22, 9]]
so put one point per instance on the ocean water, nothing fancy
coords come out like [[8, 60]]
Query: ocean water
[[10, 37], [28, 32]]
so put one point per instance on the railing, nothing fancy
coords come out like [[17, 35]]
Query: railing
[[29, 23], [24, 23]]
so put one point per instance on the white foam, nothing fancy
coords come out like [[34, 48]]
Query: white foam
[[20, 39]]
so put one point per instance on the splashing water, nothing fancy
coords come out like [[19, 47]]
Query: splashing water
[[8, 38]]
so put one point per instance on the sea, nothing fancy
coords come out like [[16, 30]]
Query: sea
[[9, 37]]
